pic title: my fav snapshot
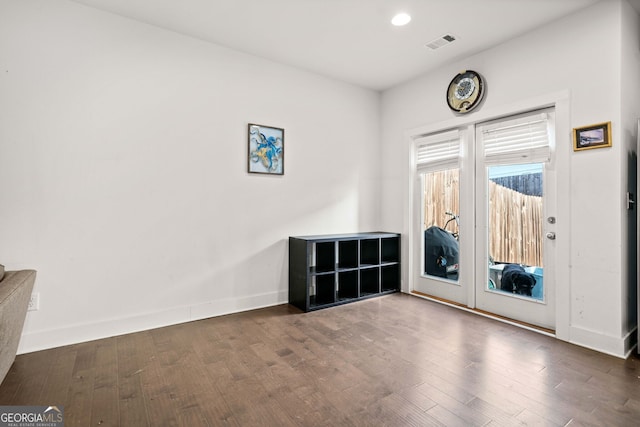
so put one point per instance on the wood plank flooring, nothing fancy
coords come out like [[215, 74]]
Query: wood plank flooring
[[396, 360]]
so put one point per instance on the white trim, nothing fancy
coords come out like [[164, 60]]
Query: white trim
[[45, 339], [614, 346], [536, 103], [561, 101], [488, 316]]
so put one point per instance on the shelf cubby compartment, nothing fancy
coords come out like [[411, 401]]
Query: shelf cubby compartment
[[390, 249], [324, 257], [369, 252], [347, 254], [322, 290], [347, 285], [390, 277], [369, 281]]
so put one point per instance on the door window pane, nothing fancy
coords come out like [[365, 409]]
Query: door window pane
[[515, 229], [440, 223]]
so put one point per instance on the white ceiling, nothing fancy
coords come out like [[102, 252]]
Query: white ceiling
[[350, 40]]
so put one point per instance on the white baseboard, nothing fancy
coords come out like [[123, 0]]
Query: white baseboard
[[615, 346], [45, 339], [73, 334]]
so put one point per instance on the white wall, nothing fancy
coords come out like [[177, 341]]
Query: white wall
[[123, 166], [123, 171], [569, 56]]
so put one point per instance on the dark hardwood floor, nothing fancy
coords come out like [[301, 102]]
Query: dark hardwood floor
[[395, 360]]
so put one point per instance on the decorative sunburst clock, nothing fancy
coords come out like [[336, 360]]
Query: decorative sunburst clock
[[465, 91]]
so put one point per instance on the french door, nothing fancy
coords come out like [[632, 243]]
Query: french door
[[442, 269], [486, 209], [515, 216]]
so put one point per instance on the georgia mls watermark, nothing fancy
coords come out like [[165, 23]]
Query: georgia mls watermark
[[31, 416]]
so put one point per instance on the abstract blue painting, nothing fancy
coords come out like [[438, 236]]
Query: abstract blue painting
[[266, 149]]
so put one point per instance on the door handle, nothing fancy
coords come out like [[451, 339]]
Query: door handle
[[551, 235]]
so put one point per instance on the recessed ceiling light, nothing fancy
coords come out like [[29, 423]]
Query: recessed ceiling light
[[401, 19]]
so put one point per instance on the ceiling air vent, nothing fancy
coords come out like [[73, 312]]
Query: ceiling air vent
[[440, 41]]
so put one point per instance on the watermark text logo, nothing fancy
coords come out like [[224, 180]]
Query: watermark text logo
[[31, 416]]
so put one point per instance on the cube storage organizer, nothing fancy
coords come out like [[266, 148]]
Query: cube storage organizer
[[327, 270]]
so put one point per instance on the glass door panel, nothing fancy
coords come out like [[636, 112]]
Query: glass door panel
[[440, 235], [440, 223], [516, 262]]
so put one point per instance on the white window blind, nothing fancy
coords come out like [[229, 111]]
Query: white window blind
[[438, 151], [523, 138]]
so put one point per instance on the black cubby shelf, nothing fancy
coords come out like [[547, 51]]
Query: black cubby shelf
[[332, 269]]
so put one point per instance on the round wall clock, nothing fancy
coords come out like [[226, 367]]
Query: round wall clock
[[465, 91]]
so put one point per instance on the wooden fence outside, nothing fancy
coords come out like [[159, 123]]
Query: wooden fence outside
[[441, 195], [515, 219]]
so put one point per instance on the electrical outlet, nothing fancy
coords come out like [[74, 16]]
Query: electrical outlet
[[34, 302]]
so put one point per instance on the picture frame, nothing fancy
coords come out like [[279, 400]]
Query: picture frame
[[593, 136], [265, 149]]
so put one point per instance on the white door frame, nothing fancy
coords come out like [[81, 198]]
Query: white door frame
[[561, 102]]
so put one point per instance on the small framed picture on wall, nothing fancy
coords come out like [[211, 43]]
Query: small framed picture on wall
[[266, 149], [594, 136]]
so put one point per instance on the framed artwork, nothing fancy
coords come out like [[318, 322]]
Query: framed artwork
[[594, 136], [266, 149]]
